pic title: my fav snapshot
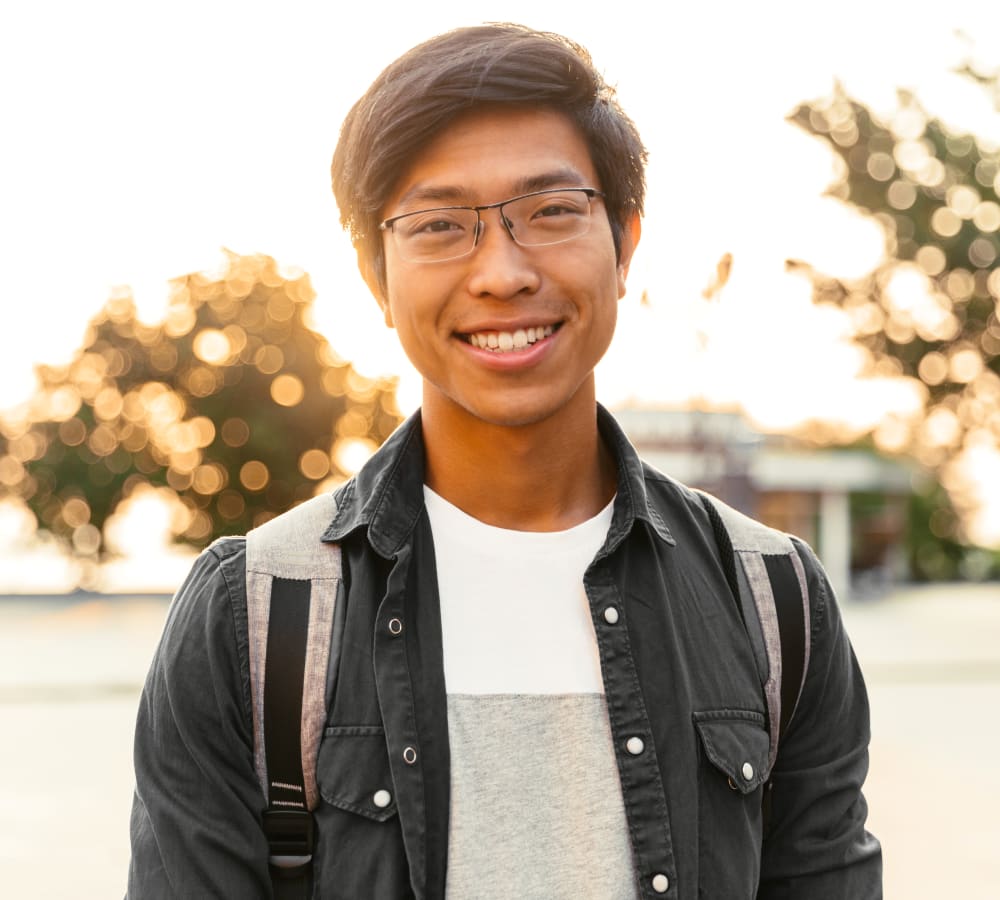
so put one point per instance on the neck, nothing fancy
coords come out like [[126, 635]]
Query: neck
[[543, 476]]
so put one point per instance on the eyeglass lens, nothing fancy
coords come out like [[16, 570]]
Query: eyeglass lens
[[534, 220]]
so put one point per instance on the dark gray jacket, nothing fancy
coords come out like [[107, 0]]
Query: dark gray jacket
[[679, 673]]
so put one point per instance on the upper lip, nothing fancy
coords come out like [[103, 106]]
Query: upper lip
[[517, 325]]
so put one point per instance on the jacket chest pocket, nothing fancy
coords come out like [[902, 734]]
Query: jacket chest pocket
[[359, 845], [731, 772]]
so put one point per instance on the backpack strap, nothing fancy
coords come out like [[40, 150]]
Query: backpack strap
[[767, 578], [292, 580]]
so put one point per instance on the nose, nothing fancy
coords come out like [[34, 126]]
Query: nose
[[499, 267]]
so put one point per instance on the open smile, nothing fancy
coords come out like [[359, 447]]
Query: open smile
[[510, 341]]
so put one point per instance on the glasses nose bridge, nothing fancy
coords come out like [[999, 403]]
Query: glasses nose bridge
[[508, 224]]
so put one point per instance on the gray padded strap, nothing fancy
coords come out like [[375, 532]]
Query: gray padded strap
[[800, 574], [767, 615], [748, 534], [290, 546], [751, 542]]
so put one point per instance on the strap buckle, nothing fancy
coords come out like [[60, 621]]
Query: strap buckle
[[290, 838]]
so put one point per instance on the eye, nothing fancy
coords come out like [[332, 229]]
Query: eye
[[558, 206], [554, 209], [438, 225], [433, 223]]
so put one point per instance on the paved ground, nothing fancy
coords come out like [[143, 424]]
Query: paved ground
[[932, 661], [70, 674]]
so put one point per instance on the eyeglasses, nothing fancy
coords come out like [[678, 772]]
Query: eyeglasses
[[532, 220]]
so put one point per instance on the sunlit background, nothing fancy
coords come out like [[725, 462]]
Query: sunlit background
[[170, 238], [143, 144]]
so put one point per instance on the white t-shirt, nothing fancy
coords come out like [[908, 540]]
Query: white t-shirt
[[536, 803]]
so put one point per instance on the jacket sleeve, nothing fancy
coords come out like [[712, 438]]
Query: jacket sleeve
[[817, 847], [196, 814]]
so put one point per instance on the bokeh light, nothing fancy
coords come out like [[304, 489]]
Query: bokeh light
[[254, 475], [202, 405], [928, 312]]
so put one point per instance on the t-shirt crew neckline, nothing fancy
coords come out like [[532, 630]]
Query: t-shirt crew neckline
[[467, 529]]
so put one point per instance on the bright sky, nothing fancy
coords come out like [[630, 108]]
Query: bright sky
[[140, 139]]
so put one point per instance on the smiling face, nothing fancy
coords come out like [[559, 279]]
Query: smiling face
[[507, 334]]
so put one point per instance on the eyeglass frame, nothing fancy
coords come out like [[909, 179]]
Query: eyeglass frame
[[591, 193]]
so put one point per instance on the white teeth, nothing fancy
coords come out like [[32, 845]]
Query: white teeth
[[504, 341]]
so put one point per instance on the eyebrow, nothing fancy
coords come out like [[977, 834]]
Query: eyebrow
[[453, 194]]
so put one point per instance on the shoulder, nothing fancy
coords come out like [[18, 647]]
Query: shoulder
[[676, 504], [216, 578], [665, 490], [307, 519], [740, 534], [293, 545], [684, 508], [821, 596], [227, 556], [205, 632]]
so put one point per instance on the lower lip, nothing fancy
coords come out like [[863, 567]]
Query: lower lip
[[511, 360]]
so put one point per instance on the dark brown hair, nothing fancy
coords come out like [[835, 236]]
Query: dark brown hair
[[419, 94]]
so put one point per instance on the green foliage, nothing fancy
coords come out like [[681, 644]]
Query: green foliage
[[934, 545], [233, 403], [929, 311]]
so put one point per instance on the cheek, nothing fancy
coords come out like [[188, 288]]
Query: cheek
[[610, 323], [402, 302], [616, 290], [409, 310]]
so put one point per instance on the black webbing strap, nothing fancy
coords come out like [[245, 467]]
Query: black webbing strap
[[288, 823], [791, 629]]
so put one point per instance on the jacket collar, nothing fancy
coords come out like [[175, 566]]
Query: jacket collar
[[632, 501], [387, 494]]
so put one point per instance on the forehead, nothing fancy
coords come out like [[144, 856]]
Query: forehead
[[495, 153]]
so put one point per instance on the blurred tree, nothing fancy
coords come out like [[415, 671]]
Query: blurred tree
[[929, 311], [933, 551], [233, 403]]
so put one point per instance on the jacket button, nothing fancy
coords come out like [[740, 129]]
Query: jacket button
[[661, 884], [395, 627], [611, 615], [747, 771], [634, 745], [382, 799], [409, 756]]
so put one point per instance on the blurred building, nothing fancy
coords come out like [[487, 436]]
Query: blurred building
[[849, 504]]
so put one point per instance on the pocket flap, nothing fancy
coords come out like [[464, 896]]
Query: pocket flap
[[353, 774], [736, 742]]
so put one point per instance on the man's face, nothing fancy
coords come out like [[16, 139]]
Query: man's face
[[563, 297]]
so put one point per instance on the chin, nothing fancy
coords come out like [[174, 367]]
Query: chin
[[521, 412]]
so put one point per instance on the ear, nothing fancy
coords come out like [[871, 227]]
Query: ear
[[631, 232], [371, 277]]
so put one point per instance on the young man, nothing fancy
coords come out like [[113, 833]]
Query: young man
[[541, 685]]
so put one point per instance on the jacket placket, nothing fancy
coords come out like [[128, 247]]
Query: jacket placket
[[396, 700], [635, 753], [411, 697]]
